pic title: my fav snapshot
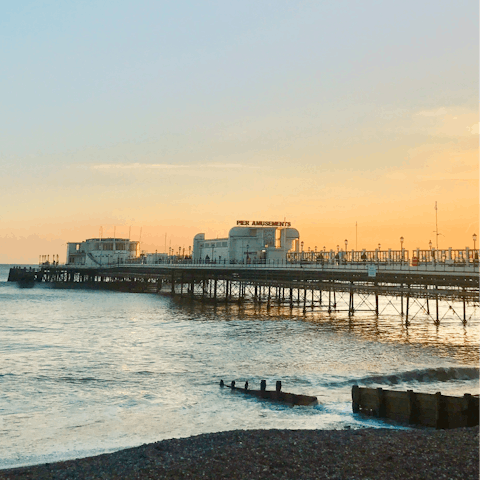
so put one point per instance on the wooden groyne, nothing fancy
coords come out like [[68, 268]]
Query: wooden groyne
[[274, 395], [429, 410]]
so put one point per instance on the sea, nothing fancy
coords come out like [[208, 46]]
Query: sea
[[87, 372]]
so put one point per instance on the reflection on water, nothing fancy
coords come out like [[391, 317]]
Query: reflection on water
[[85, 372], [451, 337]]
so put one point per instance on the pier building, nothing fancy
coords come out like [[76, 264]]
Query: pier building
[[258, 243], [102, 251]]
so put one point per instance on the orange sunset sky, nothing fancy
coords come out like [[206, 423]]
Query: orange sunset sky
[[175, 118]]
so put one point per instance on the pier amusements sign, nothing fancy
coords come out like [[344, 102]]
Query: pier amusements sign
[[262, 223]]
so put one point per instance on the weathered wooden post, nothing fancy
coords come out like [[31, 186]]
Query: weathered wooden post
[[355, 399], [471, 411], [263, 385], [381, 410], [441, 420], [278, 386], [413, 407]]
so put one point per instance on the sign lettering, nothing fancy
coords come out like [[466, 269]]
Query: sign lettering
[[262, 223]]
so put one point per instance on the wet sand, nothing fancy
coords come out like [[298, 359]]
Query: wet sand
[[283, 454]]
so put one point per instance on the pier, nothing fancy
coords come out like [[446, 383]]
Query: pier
[[348, 287]]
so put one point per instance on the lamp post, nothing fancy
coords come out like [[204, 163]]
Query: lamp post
[[401, 243], [430, 244], [346, 243], [301, 246], [475, 254], [379, 246]]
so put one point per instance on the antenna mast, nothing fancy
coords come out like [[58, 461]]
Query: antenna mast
[[356, 235]]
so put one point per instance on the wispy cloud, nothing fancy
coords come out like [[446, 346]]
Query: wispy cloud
[[136, 166], [168, 166], [432, 113]]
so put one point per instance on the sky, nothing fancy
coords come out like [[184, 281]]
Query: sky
[[349, 119]]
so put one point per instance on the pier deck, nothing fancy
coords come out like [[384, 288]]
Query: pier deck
[[348, 288]]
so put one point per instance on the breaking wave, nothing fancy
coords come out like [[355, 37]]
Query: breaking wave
[[427, 375]]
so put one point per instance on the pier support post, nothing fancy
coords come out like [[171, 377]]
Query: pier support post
[[401, 299], [350, 304], [407, 306], [426, 297]]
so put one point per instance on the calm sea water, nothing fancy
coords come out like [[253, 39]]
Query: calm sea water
[[88, 372]]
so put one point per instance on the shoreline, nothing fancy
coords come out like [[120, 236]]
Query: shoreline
[[242, 454]]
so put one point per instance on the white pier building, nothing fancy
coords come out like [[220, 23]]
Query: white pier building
[[248, 242], [96, 252]]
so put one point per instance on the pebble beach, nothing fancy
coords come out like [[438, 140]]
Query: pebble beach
[[282, 454]]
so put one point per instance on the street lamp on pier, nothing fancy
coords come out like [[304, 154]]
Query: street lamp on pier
[[346, 243], [474, 236], [379, 246], [430, 244], [301, 246], [401, 243]]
